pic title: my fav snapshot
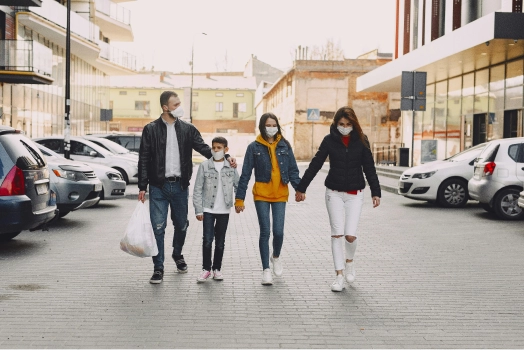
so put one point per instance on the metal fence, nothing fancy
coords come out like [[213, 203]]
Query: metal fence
[[117, 56], [115, 11], [26, 56], [386, 153]]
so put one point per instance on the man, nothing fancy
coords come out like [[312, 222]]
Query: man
[[165, 163]]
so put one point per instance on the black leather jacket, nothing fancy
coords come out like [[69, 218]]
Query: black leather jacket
[[152, 156]]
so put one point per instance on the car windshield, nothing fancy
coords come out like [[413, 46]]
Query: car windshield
[[110, 145], [468, 154]]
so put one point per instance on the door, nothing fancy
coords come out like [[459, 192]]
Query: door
[[479, 128], [83, 153], [511, 124], [235, 110], [520, 163]]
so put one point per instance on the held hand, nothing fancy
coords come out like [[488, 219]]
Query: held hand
[[142, 196], [376, 201], [299, 196], [233, 162], [239, 208], [200, 217]]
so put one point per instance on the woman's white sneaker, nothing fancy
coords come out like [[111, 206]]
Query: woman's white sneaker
[[338, 284], [267, 277], [350, 272], [277, 266]]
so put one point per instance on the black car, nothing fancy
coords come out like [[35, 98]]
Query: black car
[[131, 141], [26, 201]]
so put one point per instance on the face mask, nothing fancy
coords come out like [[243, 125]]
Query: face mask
[[271, 131], [217, 155], [177, 113], [344, 131]]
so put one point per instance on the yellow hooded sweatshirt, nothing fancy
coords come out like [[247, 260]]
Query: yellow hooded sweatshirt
[[274, 190]]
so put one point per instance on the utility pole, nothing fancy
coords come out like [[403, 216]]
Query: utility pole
[[67, 131], [191, 92]]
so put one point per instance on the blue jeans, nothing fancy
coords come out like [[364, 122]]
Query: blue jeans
[[278, 210], [171, 195], [215, 227]]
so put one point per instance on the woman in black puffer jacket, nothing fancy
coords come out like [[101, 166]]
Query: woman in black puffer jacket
[[349, 159]]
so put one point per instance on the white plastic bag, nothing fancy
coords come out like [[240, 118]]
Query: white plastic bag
[[140, 239]]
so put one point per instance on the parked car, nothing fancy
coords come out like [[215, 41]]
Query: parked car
[[112, 147], [499, 176], [86, 151], [444, 181], [26, 200], [521, 200], [113, 185], [129, 140]]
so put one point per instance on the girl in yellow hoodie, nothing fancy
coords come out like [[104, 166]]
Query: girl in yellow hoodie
[[272, 158]]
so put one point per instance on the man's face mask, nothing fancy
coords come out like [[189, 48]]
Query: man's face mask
[[178, 112]]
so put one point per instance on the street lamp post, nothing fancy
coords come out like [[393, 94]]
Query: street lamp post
[[67, 130], [191, 92]]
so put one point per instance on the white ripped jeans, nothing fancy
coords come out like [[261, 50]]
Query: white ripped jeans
[[344, 211]]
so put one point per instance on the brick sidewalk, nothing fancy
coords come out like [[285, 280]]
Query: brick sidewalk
[[427, 277]]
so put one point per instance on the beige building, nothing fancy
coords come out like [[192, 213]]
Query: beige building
[[306, 98]]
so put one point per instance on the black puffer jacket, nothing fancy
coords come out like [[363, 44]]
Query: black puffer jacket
[[152, 156], [345, 164]]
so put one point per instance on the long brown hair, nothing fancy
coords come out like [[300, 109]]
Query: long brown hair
[[349, 113], [262, 126]]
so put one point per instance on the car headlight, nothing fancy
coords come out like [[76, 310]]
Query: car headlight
[[70, 175], [114, 176], [423, 175]]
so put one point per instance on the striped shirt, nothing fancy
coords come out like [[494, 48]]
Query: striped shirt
[[172, 151]]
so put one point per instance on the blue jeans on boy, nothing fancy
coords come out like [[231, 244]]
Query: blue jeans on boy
[[278, 209], [171, 195], [215, 227]]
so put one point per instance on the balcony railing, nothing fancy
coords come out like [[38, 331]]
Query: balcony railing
[[26, 56], [117, 56], [114, 11], [57, 13]]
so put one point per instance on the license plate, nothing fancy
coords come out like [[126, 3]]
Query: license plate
[[41, 189], [401, 185], [98, 187]]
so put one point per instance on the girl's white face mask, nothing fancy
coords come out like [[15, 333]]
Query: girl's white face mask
[[271, 131], [344, 131], [177, 113], [217, 155]]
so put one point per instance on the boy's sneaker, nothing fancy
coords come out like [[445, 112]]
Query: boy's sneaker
[[217, 275], [277, 266], [267, 278], [181, 265], [350, 272], [157, 277], [204, 275], [338, 284]]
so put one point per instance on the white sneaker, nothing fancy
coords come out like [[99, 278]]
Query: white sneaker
[[338, 284], [267, 278], [277, 266], [350, 272]]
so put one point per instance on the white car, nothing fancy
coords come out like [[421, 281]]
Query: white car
[[86, 151], [112, 147], [444, 181]]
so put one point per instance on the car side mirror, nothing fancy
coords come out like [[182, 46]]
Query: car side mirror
[[93, 153]]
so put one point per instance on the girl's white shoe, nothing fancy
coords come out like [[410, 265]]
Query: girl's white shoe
[[350, 272], [338, 284], [267, 277]]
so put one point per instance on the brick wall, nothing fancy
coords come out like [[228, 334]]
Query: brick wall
[[9, 27]]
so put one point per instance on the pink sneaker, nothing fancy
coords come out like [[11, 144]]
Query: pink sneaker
[[217, 275], [204, 275]]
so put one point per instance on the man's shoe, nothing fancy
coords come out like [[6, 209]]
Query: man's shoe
[[267, 278], [181, 265], [204, 275], [157, 277], [350, 272], [217, 275], [338, 284], [277, 266]]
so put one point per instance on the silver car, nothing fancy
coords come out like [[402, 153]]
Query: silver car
[[498, 178], [113, 185]]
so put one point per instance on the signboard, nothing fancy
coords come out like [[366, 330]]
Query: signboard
[[413, 91], [313, 114], [106, 115]]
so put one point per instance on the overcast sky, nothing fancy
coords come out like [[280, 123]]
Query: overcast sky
[[164, 30]]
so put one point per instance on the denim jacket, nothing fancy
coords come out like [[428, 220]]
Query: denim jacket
[[205, 190], [257, 157]]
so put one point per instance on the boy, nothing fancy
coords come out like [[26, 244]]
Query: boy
[[213, 199]]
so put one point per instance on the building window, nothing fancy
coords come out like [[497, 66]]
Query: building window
[[222, 131], [110, 104], [141, 105], [242, 107], [219, 94], [195, 107], [219, 106], [123, 92], [240, 94], [142, 93]]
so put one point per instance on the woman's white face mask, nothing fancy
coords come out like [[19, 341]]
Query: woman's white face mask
[[271, 131], [344, 131]]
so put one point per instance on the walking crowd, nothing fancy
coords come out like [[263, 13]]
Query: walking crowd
[[165, 165]]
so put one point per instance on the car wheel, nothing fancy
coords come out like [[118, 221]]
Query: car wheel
[[486, 207], [124, 175], [506, 205], [63, 213], [4, 237], [453, 193]]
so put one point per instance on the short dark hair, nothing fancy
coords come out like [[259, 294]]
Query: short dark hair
[[165, 96], [219, 139]]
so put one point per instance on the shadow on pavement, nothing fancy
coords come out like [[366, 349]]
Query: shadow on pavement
[[19, 246]]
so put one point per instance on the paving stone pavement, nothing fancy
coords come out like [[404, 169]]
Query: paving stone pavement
[[427, 277]]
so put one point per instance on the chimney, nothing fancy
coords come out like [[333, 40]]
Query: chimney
[[162, 76], [208, 75]]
